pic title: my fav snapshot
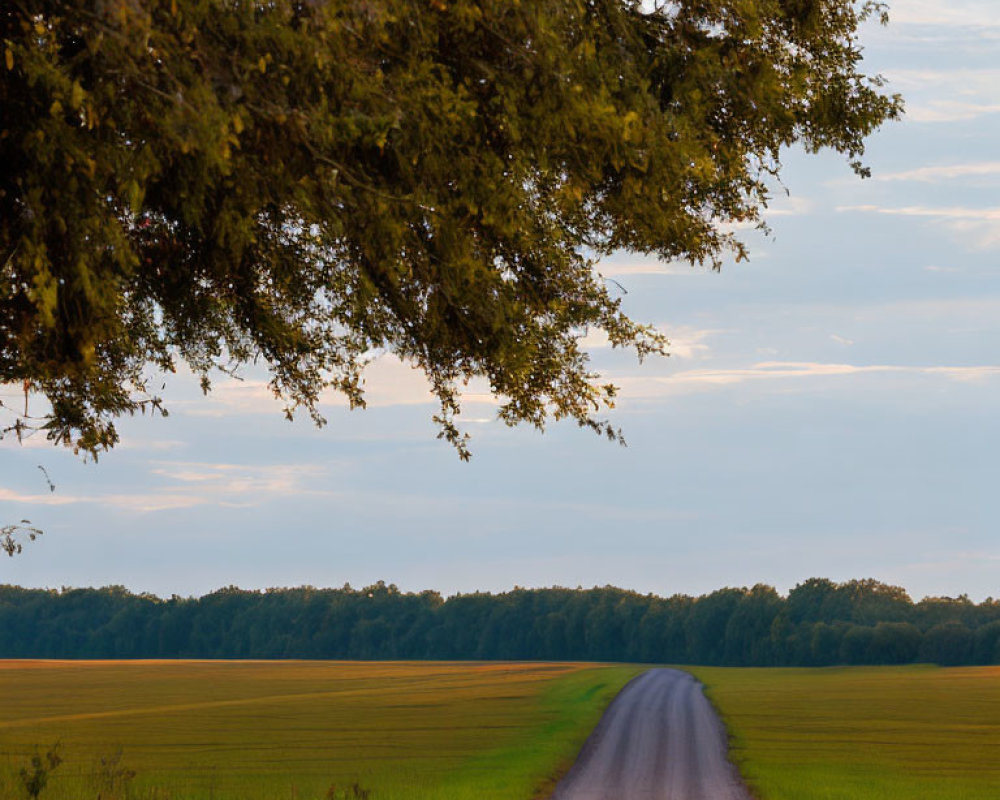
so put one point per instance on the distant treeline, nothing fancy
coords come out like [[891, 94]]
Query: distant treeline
[[819, 623]]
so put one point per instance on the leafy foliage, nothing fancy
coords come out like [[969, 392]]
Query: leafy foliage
[[35, 777], [310, 183], [355, 791], [9, 535], [111, 778], [851, 624]]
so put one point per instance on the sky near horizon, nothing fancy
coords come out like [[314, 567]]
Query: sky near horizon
[[829, 409]]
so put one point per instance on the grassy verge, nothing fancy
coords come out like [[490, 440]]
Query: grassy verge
[[292, 730], [882, 733]]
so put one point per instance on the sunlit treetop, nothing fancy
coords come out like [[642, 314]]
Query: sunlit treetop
[[214, 182]]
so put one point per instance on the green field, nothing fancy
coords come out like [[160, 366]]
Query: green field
[[290, 730], [881, 733]]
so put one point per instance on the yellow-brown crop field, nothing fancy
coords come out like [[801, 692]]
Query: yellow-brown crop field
[[231, 730], [863, 733]]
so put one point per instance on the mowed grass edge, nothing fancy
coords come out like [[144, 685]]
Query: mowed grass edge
[[862, 733], [195, 730]]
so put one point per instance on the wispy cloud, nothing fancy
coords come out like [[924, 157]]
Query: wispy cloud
[[937, 110], [950, 13], [952, 212], [238, 479], [231, 396], [32, 440], [789, 206], [387, 381], [391, 382], [138, 502], [944, 172], [38, 499], [956, 95], [636, 264], [150, 445], [189, 484], [149, 502], [690, 343], [685, 341], [706, 379], [977, 226]]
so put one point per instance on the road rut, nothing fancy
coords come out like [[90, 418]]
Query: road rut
[[660, 739]]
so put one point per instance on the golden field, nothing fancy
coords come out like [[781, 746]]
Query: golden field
[[229, 730]]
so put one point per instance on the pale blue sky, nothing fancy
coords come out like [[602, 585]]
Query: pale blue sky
[[830, 409]]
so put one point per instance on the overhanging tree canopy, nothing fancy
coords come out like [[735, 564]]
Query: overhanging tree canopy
[[309, 182]]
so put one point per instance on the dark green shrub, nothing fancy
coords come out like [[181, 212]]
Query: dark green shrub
[[35, 776]]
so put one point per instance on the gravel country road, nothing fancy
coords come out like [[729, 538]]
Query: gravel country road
[[660, 739]]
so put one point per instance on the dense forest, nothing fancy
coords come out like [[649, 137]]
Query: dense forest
[[819, 623]]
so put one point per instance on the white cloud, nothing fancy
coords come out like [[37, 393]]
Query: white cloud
[[133, 442], [141, 502], [31, 440], [948, 212], [841, 340], [705, 379], [685, 341], [391, 382], [637, 264], [144, 503], [950, 13], [788, 206], [596, 339], [944, 172], [935, 95], [949, 111], [979, 227], [231, 396], [190, 484], [689, 343], [40, 499], [239, 479], [387, 381]]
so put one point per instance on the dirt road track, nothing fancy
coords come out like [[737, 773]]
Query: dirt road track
[[659, 740]]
